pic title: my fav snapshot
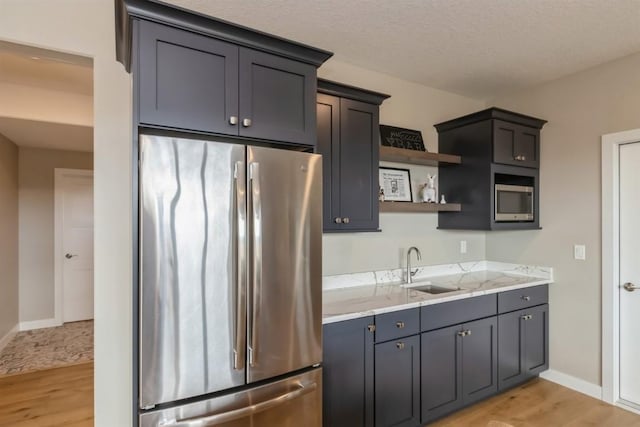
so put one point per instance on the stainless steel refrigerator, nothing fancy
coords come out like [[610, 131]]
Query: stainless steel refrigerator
[[230, 274]]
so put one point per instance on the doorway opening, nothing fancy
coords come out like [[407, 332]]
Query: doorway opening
[[46, 224]]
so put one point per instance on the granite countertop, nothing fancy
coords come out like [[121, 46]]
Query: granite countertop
[[385, 294]]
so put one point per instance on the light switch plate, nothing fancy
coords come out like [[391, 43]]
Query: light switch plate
[[579, 252], [463, 246]]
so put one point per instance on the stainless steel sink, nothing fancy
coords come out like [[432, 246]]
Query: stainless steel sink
[[432, 289]]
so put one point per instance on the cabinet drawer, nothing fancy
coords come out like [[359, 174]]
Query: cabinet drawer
[[397, 324], [522, 298], [450, 313]]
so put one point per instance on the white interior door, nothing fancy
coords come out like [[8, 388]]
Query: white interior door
[[629, 274], [74, 190]]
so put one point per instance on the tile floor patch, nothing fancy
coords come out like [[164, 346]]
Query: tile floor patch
[[47, 348]]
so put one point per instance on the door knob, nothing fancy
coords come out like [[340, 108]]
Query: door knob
[[69, 256], [338, 220], [630, 287], [346, 220], [246, 122], [233, 120]]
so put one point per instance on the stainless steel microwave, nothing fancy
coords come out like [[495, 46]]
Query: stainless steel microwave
[[514, 203]]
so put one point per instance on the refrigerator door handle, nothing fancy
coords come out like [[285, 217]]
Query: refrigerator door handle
[[256, 229], [247, 411], [240, 239]]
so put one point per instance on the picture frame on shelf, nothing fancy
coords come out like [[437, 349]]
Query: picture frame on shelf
[[396, 184]]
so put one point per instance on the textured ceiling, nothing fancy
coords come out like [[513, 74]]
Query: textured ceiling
[[477, 48]]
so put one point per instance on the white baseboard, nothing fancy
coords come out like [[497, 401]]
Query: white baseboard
[[7, 337], [573, 383], [39, 324]]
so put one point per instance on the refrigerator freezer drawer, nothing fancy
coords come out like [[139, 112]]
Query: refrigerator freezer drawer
[[291, 402]]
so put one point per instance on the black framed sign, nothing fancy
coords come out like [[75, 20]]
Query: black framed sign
[[392, 136], [396, 184]]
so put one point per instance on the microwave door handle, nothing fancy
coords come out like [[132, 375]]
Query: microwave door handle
[[245, 412], [240, 240], [256, 271]]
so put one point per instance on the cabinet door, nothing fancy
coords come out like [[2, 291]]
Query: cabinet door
[[328, 119], [277, 97], [515, 144], [397, 382], [511, 349], [359, 152], [186, 80], [441, 380], [479, 360], [536, 357], [347, 388]]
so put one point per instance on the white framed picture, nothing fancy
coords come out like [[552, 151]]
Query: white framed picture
[[396, 184]]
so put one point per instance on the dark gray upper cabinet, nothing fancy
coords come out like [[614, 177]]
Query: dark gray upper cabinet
[[192, 82], [497, 147], [348, 139], [277, 95], [523, 350], [515, 144], [397, 382], [348, 373], [187, 80]]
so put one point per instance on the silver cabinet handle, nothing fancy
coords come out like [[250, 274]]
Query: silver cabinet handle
[[400, 345], [527, 317], [467, 332], [233, 120], [246, 122], [464, 333], [525, 297], [256, 229], [630, 287], [460, 333], [69, 256], [346, 220], [372, 328], [400, 325], [241, 264], [245, 412], [338, 220]]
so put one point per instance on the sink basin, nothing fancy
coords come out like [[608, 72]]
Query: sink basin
[[432, 289]]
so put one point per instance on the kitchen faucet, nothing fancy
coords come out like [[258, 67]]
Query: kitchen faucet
[[409, 273]]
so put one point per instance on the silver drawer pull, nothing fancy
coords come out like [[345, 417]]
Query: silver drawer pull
[[526, 297], [400, 345], [244, 412], [371, 328], [400, 325]]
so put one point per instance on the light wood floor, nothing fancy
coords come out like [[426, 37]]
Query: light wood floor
[[541, 403], [64, 397], [51, 398]]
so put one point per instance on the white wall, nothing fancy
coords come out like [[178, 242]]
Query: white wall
[[8, 238], [86, 27], [415, 107], [36, 230], [580, 108]]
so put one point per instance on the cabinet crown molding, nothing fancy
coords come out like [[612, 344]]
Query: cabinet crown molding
[[491, 113], [342, 90], [128, 10]]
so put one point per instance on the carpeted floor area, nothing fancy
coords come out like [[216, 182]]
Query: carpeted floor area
[[47, 348]]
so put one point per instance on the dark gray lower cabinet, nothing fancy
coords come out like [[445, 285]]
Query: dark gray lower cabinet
[[459, 366], [348, 373], [523, 345], [397, 382]]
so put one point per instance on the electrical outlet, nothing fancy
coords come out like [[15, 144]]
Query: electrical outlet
[[463, 246], [579, 252]]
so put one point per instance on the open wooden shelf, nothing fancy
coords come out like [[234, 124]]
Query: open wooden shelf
[[402, 155], [419, 207]]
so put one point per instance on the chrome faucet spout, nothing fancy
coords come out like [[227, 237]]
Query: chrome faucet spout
[[419, 256]]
